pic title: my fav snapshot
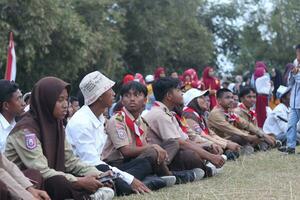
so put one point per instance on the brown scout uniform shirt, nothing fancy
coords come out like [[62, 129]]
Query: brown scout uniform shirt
[[162, 125], [221, 126], [119, 135], [212, 136], [14, 179], [252, 125], [33, 158]]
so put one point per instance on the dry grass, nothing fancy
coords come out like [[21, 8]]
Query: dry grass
[[266, 175]]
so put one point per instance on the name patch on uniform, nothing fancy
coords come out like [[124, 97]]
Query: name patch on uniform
[[30, 141]]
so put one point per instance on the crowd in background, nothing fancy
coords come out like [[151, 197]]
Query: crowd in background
[[143, 134]]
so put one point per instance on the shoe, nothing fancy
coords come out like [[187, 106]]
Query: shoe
[[103, 193], [214, 169], [224, 157], [170, 180], [263, 146], [186, 176], [154, 182], [278, 144], [287, 150], [232, 155], [247, 150]]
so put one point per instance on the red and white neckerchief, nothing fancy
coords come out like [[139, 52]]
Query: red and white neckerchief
[[182, 123], [200, 119], [134, 128], [251, 113], [231, 116]]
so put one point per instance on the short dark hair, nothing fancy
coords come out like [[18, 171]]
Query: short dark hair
[[163, 85], [298, 47], [222, 91], [7, 88], [135, 86], [72, 99], [246, 90], [80, 98]]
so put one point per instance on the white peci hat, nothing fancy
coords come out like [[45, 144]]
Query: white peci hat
[[192, 94], [93, 85]]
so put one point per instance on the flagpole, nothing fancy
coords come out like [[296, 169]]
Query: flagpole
[[11, 67]]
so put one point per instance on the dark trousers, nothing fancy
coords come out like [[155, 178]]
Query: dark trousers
[[187, 159], [238, 139], [35, 176], [59, 188], [139, 168], [4, 193]]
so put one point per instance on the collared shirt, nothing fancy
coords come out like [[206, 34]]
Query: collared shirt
[[25, 150], [220, 124], [162, 125], [5, 129], [277, 121], [86, 133], [120, 135]]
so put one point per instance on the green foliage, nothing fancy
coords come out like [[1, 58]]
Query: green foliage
[[165, 33]]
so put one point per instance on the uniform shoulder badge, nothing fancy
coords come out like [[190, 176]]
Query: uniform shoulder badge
[[30, 141], [119, 117]]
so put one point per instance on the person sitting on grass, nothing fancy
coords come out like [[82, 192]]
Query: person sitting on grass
[[245, 111], [196, 106], [163, 126], [127, 137], [38, 142], [224, 122]]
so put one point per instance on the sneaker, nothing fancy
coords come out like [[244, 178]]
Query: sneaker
[[186, 176], [247, 150], [103, 193], [278, 144], [170, 180], [287, 150], [214, 169], [154, 182], [263, 146], [231, 155]]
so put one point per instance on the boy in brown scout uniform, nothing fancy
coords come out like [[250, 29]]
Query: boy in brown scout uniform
[[163, 126], [127, 137], [244, 110], [223, 121]]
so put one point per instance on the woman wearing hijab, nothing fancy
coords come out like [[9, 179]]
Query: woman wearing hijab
[[191, 80], [212, 84], [160, 72], [38, 142], [196, 107], [263, 89]]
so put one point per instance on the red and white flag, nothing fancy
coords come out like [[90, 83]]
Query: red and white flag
[[11, 65]]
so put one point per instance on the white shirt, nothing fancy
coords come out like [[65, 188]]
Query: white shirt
[[86, 133], [276, 122], [263, 85], [5, 129]]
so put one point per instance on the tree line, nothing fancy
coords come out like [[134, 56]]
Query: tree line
[[69, 38]]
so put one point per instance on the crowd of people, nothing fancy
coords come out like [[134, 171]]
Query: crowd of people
[[154, 133]]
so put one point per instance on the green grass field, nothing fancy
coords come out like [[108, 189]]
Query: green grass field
[[265, 175]]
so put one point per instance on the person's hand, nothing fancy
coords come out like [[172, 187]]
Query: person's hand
[[217, 160], [89, 183], [233, 146], [253, 139], [270, 140], [217, 149], [139, 187], [162, 154], [38, 194]]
